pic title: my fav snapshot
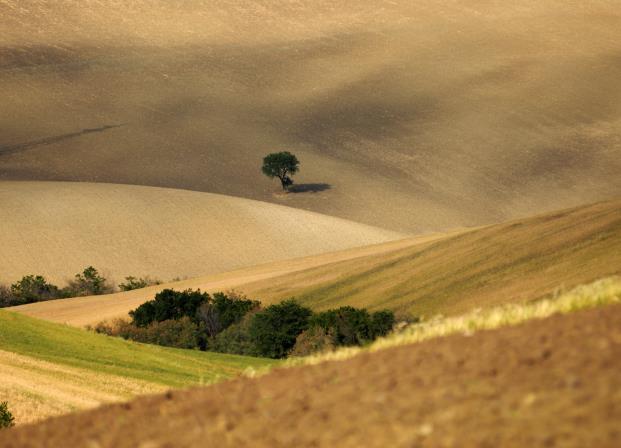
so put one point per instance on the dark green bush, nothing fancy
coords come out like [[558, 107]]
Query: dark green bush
[[6, 298], [88, 283], [353, 326], [274, 330], [348, 325], [169, 305], [6, 418], [223, 311], [235, 339], [382, 323], [132, 283], [31, 288]]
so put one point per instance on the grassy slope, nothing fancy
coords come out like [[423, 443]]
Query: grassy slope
[[47, 369], [132, 230], [461, 113], [73, 347], [606, 291], [515, 261]]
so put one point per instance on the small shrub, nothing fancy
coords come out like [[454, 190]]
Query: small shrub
[[313, 340], [6, 418], [132, 283], [353, 326], [88, 283], [274, 330], [348, 325], [180, 333], [34, 288], [382, 323], [116, 327], [6, 299]]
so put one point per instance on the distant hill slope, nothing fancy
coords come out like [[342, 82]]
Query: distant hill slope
[[516, 261], [511, 262], [56, 229], [48, 369], [413, 116]]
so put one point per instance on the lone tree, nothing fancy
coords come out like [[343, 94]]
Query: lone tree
[[281, 165]]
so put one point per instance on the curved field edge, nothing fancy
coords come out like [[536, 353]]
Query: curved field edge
[[73, 347], [165, 233], [602, 292]]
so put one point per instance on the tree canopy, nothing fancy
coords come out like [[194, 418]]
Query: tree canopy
[[282, 165]]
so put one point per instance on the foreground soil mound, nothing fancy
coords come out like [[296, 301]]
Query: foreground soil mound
[[164, 233], [552, 382]]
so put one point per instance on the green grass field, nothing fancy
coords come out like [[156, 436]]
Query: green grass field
[[49, 369], [61, 344]]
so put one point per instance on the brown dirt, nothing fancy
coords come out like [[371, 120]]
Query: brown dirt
[[551, 382], [412, 116]]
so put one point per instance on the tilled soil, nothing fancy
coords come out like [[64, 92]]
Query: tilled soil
[[553, 382]]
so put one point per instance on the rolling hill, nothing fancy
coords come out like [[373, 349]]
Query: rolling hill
[[413, 116], [49, 369], [516, 261], [530, 386], [56, 229]]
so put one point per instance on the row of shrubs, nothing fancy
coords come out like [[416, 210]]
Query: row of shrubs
[[89, 282], [232, 323]]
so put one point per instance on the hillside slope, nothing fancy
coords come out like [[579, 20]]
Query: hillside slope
[[81, 311], [49, 369], [551, 382], [511, 262], [129, 230], [412, 116]]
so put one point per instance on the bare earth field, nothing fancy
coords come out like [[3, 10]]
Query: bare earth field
[[414, 116], [517, 261], [551, 382], [57, 229]]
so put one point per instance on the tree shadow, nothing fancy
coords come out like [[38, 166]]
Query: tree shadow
[[309, 188]]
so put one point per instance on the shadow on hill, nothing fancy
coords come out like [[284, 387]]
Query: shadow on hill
[[54, 139], [309, 188]]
